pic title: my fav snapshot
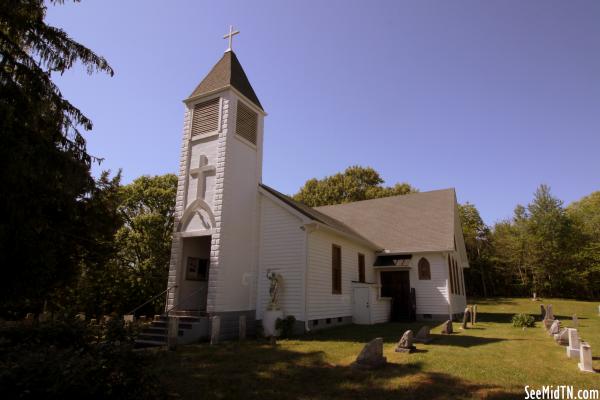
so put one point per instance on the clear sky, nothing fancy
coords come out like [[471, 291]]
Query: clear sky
[[490, 97]]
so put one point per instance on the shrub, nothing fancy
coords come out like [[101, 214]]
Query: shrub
[[38, 362], [523, 321], [286, 326]]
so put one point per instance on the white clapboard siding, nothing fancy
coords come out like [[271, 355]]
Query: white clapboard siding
[[321, 302], [205, 117], [431, 295], [282, 249]]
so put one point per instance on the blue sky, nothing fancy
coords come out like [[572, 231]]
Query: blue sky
[[490, 97]]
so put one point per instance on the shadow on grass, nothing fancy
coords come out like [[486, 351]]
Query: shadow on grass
[[255, 371], [492, 301], [463, 340]]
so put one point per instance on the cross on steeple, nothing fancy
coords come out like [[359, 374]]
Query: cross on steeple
[[230, 36], [199, 173]]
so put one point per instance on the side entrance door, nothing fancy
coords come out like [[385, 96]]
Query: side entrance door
[[396, 285], [362, 311]]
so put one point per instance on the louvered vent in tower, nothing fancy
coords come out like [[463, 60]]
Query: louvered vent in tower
[[205, 118], [246, 122]]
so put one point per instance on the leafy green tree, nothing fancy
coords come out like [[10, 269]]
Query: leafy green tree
[[44, 164], [354, 184], [477, 243], [139, 249], [585, 215]]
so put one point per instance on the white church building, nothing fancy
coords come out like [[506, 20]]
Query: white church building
[[395, 258]]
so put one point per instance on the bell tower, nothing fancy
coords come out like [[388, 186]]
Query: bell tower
[[214, 252]]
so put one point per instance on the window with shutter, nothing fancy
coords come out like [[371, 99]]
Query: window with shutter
[[336, 269], [205, 117], [246, 123], [361, 267], [424, 270]]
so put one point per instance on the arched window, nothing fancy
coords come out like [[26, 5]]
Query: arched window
[[424, 270]]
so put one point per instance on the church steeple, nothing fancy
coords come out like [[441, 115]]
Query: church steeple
[[228, 72]]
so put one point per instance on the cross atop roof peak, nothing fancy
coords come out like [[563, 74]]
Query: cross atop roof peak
[[230, 36]]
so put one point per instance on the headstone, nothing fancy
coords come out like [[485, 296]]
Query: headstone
[[106, 318], [215, 329], [554, 328], [93, 321], [573, 347], [562, 337], [575, 321], [45, 316], [549, 312], [242, 327], [474, 314], [371, 355], [585, 357], [542, 312], [547, 323], [172, 332], [447, 327], [466, 317], [534, 297], [156, 317], [128, 318], [80, 316], [599, 310], [423, 335], [29, 318], [405, 345]]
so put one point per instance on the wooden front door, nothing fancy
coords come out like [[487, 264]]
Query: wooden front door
[[396, 285]]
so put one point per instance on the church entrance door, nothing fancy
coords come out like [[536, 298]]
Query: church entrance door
[[396, 285]]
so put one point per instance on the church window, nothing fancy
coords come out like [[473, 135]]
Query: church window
[[246, 123], [336, 269], [205, 117], [361, 267], [424, 270], [451, 275], [197, 269]]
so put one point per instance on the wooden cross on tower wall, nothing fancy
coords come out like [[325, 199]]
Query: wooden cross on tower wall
[[200, 174]]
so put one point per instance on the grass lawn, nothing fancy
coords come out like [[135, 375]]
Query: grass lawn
[[492, 360]]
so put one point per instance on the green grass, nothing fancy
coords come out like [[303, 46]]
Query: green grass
[[493, 360]]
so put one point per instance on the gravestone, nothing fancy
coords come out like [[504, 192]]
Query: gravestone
[[81, 316], [474, 314], [575, 321], [371, 355], [156, 317], [29, 318], [405, 345], [542, 312], [128, 318], [45, 316], [534, 297], [93, 321], [554, 328], [562, 337], [466, 317], [423, 335], [106, 318], [447, 328], [599, 310], [585, 357], [242, 327], [215, 329], [549, 312], [172, 332], [573, 347], [547, 323]]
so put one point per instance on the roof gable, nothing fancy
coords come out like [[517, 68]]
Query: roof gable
[[227, 72]]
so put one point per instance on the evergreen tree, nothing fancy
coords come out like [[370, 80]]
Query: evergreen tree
[[44, 164]]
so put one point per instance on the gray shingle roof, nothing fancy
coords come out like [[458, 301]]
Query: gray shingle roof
[[227, 72], [313, 213], [409, 223]]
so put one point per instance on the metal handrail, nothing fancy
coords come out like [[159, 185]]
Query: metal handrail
[[180, 300], [132, 312]]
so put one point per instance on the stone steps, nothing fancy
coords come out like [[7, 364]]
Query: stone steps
[[156, 334]]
